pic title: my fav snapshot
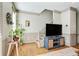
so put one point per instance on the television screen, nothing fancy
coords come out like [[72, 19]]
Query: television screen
[[53, 29]]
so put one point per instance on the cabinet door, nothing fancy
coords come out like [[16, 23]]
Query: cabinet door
[[46, 42], [50, 44], [62, 42]]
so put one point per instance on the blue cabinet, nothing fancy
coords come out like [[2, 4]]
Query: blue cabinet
[[46, 42], [55, 42]]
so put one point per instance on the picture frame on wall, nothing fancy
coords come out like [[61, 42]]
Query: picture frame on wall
[[27, 23]]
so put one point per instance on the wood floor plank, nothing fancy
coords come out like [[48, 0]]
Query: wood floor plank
[[31, 49]]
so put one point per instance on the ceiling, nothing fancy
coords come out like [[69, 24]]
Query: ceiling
[[38, 7]]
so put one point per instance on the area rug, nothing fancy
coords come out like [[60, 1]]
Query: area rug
[[70, 51]]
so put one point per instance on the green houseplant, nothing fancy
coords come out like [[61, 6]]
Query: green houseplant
[[18, 32]]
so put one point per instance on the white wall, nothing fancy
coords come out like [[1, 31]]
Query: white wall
[[69, 31], [57, 17], [37, 21], [73, 21], [73, 26], [6, 7], [0, 29], [0, 44], [65, 16], [78, 27]]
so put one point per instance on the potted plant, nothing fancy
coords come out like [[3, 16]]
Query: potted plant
[[17, 34]]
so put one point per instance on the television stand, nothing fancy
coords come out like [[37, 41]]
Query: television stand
[[53, 42]]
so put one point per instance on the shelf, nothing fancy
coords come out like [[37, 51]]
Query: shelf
[[56, 42]]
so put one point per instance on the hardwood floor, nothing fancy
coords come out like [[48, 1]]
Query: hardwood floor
[[32, 50], [55, 49], [76, 46]]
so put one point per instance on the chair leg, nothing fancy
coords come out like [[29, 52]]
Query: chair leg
[[9, 50], [17, 49]]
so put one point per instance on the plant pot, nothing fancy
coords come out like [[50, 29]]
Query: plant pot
[[15, 38]]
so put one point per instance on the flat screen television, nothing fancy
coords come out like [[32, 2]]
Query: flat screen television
[[53, 29]]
